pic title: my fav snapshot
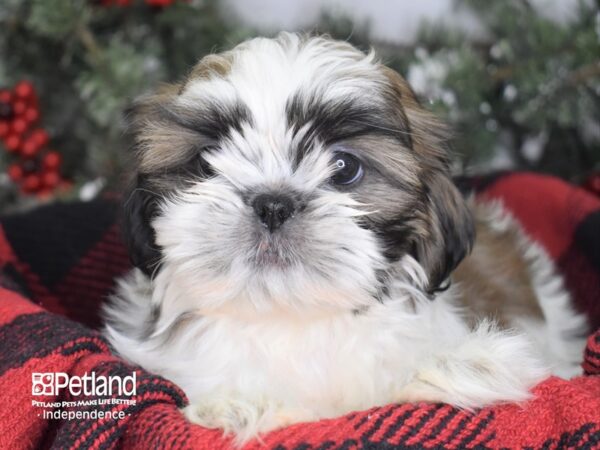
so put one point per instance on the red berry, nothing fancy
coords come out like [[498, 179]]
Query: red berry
[[4, 128], [65, 185], [31, 115], [44, 193], [52, 160], [15, 172], [31, 183], [24, 90], [12, 142], [40, 136], [51, 179], [19, 107], [19, 126], [29, 148], [5, 96]]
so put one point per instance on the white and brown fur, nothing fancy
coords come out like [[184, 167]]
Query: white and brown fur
[[343, 307]]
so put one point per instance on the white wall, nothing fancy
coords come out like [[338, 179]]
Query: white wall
[[390, 20]]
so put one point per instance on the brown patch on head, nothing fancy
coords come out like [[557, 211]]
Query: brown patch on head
[[211, 66], [159, 146], [159, 143], [168, 131], [439, 227], [170, 137], [164, 130], [389, 158], [428, 134], [162, 145]]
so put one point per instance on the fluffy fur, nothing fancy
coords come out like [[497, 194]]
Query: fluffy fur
[[344, 306]]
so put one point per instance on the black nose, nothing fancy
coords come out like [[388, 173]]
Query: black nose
[[273, 209]]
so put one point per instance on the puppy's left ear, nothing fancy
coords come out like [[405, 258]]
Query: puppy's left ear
[[449, 231], [445, 231]]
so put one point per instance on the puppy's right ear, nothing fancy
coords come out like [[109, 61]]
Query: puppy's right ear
[[140, 204], [140, 208], [155, 139]]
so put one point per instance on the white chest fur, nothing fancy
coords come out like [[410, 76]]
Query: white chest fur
[[250, 375]]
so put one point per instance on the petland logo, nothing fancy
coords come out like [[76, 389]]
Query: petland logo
[[52, 383]]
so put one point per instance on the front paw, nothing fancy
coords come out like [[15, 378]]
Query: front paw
[[231, 416], [488, 367], [245, 419]]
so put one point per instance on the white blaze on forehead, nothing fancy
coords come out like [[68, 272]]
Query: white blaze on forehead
[[249, 158], [265, 74]]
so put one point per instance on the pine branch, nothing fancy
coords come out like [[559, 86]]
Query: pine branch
[[584, 73], [87, 39]]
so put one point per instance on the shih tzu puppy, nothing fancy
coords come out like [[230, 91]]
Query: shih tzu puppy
[[301, 251]]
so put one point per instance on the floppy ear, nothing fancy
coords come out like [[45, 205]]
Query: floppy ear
[[449, 231], [150, 135], [445, 231], [139, 209]]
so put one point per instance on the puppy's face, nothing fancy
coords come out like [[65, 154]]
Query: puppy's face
[[291, 172]]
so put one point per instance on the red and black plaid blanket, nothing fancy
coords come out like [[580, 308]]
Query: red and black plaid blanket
[[58, 263]]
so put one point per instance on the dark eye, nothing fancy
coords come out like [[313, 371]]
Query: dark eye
[[347, 169]]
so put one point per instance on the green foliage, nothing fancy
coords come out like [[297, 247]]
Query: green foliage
[[89, 62], [528, 79], [55, 19]]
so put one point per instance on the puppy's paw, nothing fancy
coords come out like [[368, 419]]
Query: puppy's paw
[[225, 413], [488, 367], [242, 418]]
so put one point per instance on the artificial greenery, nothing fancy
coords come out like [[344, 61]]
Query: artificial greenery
[[527, 88]]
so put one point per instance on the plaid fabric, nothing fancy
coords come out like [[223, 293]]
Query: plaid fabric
[[58, 263]]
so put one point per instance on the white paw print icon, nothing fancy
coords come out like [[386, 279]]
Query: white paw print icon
[[42, 383]]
